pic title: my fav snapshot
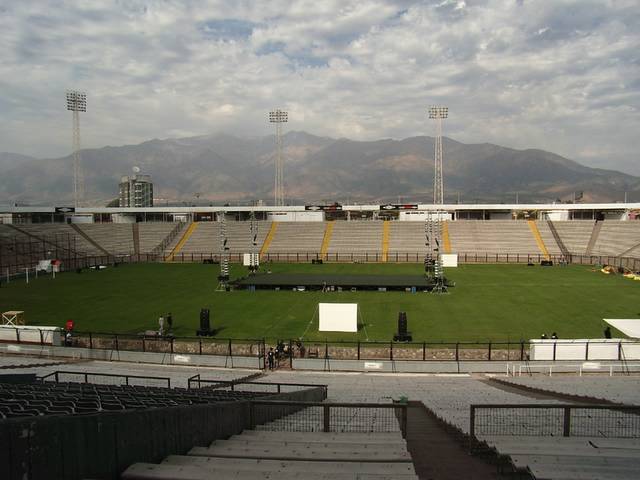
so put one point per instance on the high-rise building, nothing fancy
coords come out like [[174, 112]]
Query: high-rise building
[[136, 190]]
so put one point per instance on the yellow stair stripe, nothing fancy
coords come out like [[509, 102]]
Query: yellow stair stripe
[[445, 237], [185, 236], [385, 240], [269, 238], [326, 240], [536, 234]]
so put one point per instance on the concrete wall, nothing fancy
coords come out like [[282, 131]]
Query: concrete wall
[[225, 361]]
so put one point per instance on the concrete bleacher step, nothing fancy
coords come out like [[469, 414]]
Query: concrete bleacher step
[[390, 438], [298, 466], [351, 446], [149, 471], [308, 452], [583, 472]]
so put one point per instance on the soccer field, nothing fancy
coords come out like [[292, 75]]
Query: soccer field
[[489, 302]]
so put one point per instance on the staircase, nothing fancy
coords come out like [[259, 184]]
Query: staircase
[[595, 233], [95, 244], [287, 455], [556, 236]]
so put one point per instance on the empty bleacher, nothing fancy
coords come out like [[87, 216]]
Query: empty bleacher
[[297, 237], [153, 233], [575, 234], [617, 237], [495, 236], [406, 237], [205, 239], [356, 237], [115, 238], [64, 232], [547, 237]]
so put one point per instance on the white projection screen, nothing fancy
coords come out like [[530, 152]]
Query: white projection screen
[[338, 317]]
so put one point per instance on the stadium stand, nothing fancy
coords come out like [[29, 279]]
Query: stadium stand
[[48, 398], [287, 455], [612, 389], [297, 237], [496, 236], [547, 237], [205, 239], [575, 234], [116, 238], [617, 238], [45, 231], [406, 237], [152, 234], [356, 237]]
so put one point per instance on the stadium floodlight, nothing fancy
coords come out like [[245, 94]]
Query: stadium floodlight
[[279, 117], [76, 103], [438, 113]]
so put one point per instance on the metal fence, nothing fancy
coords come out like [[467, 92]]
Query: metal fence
[[555, 420], [106, 379], [413, 257], [251, 386], [509, 351], [330, 417], [245, 347]]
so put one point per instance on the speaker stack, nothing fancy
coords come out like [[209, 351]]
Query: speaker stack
[[403, 335], [205, 326]]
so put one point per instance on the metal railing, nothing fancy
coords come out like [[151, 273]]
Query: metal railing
[[502, 351], [414, 257], [106, 379], [230, 347], [554, 420], [329, 417], [251, 386]]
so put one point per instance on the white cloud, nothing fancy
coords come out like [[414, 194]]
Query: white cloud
[[562, 76]]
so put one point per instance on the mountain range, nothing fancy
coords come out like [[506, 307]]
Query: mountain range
[[225, 168]]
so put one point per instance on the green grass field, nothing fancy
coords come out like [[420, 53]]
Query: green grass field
[[489, 302]]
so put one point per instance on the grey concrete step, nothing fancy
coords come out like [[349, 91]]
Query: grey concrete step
[[149, 471], [370, 438], [311, 452], [300, 466], [351, 446]]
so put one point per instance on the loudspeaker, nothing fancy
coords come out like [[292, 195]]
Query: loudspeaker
[[403, 335], [402, 324], [205, 326]]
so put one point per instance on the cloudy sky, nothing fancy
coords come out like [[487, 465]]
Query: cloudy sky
[[558, 75]]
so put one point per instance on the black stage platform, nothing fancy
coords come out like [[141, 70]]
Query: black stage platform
[[272, 281]]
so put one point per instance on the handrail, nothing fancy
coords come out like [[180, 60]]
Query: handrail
[[86, 375], [233, 383], [297, 406], [566, 416]]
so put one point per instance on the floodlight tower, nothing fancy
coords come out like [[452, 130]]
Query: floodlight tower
[[438, 113], [223, 278], [279, 117], [76, 103], [253, 227]]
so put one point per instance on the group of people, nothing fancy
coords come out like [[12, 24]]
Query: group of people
[[554, 336], [165, 319], [282, 350]]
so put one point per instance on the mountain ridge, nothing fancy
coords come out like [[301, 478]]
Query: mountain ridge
[[223, 167]]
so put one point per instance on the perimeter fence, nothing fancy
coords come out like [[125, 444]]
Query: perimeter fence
[[286, 353], [557, 420]]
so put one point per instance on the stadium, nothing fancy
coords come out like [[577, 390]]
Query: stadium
[[215, 315], [451, 371]]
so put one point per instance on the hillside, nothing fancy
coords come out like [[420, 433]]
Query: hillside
[[226, 168]]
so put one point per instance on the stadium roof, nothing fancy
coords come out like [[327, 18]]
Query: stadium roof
[[300, 208]]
